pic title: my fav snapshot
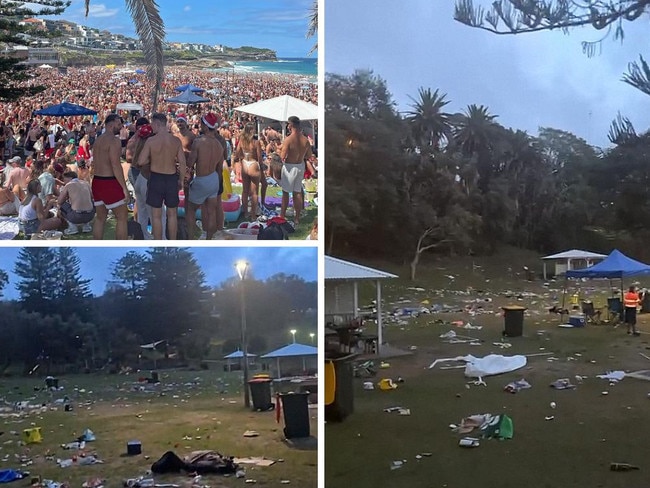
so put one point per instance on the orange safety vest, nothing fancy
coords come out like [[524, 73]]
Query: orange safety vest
[[631, 299]]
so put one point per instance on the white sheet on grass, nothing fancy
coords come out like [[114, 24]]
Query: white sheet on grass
[[9, 228], [489, 365]]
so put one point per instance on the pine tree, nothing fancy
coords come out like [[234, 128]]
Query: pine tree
[[129, 273], [72, 292], [13, 75], [36, 266], [4, 280]]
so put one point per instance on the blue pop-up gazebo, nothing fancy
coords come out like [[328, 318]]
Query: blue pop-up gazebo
[[615, 266]]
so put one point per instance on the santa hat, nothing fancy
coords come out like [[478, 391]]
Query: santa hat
[[210, 119], [181, 117], [145, 131]]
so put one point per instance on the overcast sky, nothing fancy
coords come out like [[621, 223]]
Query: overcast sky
[[218, 263], [528, 80], [279, 25]]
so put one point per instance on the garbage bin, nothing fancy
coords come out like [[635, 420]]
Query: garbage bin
[[261, 394], [339, 393], [296, 414], [513, 320]]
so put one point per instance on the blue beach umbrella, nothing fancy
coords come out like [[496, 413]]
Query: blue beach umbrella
[[140, 71], [189, 86], [65, 109], [187, 98]]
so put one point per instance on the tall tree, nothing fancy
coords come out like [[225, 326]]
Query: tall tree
[[38, 284], [129, 272], [4, 281], [430, 125], [14, 78], [73, 291]]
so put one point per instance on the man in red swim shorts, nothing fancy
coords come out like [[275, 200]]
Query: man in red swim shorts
[[109, 186]]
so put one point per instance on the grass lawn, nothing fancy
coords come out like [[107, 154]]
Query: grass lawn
[[188, 411], [588, 431]]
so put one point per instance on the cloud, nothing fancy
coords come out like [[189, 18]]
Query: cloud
[[100, 10], [187, 8]]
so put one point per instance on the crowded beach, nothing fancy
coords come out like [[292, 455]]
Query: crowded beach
[[248, 174]]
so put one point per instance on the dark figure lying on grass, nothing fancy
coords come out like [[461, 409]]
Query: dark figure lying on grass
[[197, 462]]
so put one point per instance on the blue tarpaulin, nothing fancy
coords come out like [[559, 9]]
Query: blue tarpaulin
[[8, 475]]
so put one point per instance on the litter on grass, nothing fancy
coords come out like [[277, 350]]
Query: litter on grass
[[515, 386], [614, 376], [488, 425], [562, 384]]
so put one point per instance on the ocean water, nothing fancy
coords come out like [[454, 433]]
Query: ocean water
[[295, 66]]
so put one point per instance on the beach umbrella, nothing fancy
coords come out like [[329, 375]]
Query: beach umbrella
[[190, 87], [281, 108], [216, 79], [187, 98], [45, 66], [64, 109], [140, 71]]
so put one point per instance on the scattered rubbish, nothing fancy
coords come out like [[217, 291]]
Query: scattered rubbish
[[478, 382], [552, 404], [384, 365], [74, 445], [453, 338], [470, 326], [386, 384], [368, 385], [614, 376], [604, 393], [515, 386], [396, 465], [502, 345], [490, 426], [93, 483], [469, 442], [643, 374], [645, 356], [562, 384], [549, 417], [622, 467], [400, 410], [251, 433], [256, 461]]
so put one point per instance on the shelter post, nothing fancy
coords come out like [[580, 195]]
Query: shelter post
[[544, 270], [355, 300], [380, 339]]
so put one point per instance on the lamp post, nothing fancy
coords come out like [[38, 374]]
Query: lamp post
[[293, 333], [242, 267]]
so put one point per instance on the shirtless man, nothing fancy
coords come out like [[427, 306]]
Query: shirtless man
[[76, 203], [186, 137], [163, 151], [208, 156], [18, 177], [295, 150], [109, 187]]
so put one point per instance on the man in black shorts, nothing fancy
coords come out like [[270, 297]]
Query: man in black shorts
[[163, 151]]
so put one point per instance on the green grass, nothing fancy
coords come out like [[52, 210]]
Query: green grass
[[186, 405], [589, 430]]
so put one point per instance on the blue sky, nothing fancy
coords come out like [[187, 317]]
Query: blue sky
[[217, 263], [280, 25], [528, 80]]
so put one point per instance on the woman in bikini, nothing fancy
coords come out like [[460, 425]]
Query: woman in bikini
[[249, 152], [34, 216]]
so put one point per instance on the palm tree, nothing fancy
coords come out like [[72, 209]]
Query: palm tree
[[430, 126], [474, 129], [312, 26], [151, 31]]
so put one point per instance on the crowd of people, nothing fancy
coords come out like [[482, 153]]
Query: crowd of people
[[66, 172]]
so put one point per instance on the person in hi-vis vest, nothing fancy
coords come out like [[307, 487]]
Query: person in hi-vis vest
[[631, 302]]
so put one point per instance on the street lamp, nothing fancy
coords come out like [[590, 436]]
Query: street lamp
[[311, 336], [293, 333], [242, 268]]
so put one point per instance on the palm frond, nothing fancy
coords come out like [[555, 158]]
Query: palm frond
[[151, 31], [312, 25]]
